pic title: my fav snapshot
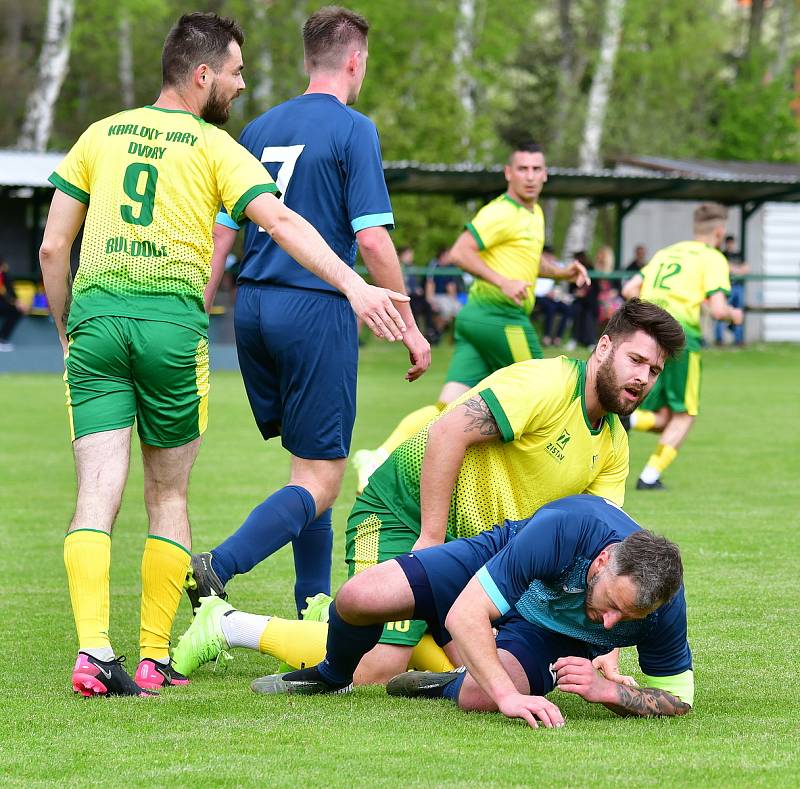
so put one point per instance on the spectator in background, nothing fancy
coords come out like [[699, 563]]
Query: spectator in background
[[738, 269], [584, 307], [554, 305], [415, 288], [442, 293], [608, 296], [639, 259], [11, 308]]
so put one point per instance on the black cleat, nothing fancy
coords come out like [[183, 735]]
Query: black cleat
[[421, 684], [657, 485], [202, 581], [94, 677], [305, 682]]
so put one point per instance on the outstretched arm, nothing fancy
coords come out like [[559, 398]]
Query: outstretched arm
[[224, 238], [299, 238], [448, 439], [470, 623]]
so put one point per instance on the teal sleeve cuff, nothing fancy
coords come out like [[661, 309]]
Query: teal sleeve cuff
[[490, 587], [373, 220], [506, 431], [224, 219]]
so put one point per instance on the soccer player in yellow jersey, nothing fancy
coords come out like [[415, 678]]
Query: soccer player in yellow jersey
[[526, 435], [148, 182], [680, 278], [502, 248]]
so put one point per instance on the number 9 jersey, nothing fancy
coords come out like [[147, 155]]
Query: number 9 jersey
[[680, 278], [153, 180]]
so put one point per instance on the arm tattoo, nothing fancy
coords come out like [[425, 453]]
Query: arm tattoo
[[67, 299], [481, 418], [647, 702]]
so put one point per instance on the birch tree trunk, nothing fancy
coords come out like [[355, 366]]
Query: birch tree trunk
[[463, 48], [50, 74], [125, 64], [582, 224], [785, 30], [264, 83]]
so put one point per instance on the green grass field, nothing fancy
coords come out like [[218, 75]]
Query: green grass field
[[732, 506]]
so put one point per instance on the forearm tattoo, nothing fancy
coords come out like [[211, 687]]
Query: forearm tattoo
[[647, 702], [480, 416]]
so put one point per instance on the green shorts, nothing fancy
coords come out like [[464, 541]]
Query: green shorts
[[123, 369], [678, 387], [374, 535], [487, 341]]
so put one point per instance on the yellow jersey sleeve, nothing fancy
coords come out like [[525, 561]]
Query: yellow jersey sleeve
[[492, 225], [610, 482], [73, 175], [240, 176], [521, 401], [716, 274]]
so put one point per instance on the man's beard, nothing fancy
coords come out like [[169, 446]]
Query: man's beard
[[609, 391], [216, 110]]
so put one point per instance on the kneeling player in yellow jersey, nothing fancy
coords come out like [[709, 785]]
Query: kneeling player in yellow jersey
[[526, 435], [680, 278], [502, 248]]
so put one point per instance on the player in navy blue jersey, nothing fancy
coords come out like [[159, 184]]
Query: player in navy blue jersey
[[574, 581], [296, 336]]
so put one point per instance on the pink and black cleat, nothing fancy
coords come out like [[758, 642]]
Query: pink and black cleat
[[151, 675], [94, 677]]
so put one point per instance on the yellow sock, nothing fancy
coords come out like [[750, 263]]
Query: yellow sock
[[409, 426], [298, 642], [429, 656], [662, 457], [87, 557], [164, 566], [644, 420]]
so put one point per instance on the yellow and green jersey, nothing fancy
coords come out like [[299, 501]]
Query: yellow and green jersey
[[680, 278], [153, 180], [547, 449], [510, 240]]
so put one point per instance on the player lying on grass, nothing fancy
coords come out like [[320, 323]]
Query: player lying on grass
[[528, 434], [578, 578]]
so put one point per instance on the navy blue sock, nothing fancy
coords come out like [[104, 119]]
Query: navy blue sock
[[271, 525], [313, 549], [452, 689], [346, 645]]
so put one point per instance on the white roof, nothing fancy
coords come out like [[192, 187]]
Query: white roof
[[26, 168]]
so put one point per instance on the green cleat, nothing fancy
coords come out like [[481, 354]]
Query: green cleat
[[204, 640], [316, 609]]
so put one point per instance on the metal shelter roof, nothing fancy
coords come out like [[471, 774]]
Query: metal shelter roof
[[26, 168], [632, 180]]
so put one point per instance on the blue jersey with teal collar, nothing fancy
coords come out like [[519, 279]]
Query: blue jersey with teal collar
[[541, 575], [326, 160]]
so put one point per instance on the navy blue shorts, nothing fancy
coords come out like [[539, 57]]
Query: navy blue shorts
[[298, 354], [438, 575]]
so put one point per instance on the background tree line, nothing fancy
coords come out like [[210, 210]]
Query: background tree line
[[453, 80]]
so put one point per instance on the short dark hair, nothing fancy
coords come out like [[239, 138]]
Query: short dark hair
[[653, 564], [524, 146], [328, 32], [638, 315], [194, 39]]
